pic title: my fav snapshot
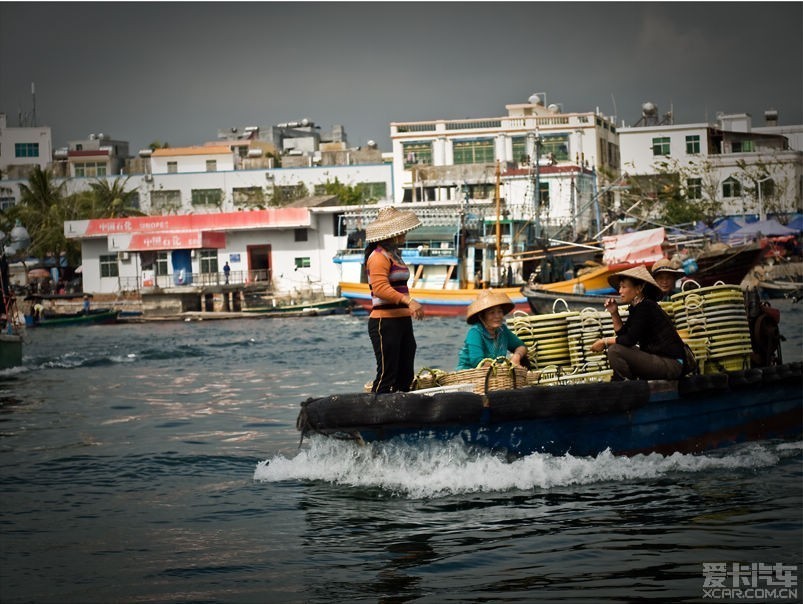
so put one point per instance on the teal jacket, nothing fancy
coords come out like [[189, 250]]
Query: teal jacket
[[480, 345]]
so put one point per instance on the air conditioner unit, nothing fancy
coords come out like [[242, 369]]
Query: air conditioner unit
[[193, 254], [125, 256]]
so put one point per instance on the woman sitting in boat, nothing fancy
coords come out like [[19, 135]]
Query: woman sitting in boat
[[646, 346], [666, 273], [489, 337], [390, 324]]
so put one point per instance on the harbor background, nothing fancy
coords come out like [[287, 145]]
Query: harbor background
[[160, 463]]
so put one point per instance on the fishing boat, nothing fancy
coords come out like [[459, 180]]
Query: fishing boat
[[691, 415], [739, 389], [10, 350], [720, 264], [313, 308], [95, 316]]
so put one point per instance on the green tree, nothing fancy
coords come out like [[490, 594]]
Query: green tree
[[676, 194], [43, 209], [348, 195], [111, 200]]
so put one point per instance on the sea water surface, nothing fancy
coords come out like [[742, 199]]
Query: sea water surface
[[160, 462]]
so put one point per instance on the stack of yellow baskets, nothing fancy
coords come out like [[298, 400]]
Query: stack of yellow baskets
[[713, 322]]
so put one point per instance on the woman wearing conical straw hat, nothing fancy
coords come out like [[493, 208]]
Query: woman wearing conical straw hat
[[390, 324], [666, 273], [489, 337], [646, 346]]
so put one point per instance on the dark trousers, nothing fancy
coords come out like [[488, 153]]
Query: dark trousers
[[633, 363], [394, 348]]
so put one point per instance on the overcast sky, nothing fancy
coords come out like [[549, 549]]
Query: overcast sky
[[178, 72]]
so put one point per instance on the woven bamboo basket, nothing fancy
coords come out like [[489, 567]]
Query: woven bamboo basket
[[427, 378], [490, 374]]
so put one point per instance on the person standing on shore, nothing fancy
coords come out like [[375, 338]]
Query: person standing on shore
[[390, 324]]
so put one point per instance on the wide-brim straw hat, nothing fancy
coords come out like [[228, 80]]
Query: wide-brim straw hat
[[488, 298], [389, 223], [665, 265], [638, 273]]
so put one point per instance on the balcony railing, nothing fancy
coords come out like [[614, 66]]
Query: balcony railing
[[198, 280]]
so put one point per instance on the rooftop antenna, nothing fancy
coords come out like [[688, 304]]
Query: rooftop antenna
[[33, 98]]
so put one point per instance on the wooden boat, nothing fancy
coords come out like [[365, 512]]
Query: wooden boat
[[779, 288], [319, 308], [726, 265], [96, 316], [694, 414], [10, 350], [436, 302]]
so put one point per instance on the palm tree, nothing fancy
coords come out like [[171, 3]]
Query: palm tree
[[111, 200], [43, 209]]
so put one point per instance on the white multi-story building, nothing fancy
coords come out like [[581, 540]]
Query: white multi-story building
[[21, 149], [537, 146], [749, 170]]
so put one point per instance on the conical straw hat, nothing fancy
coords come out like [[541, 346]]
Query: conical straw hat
[[665, 265], [389, 223], [488, 298], [639, 273]]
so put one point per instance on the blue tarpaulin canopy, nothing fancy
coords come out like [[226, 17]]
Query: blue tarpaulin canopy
[[796, 222], [727, 226], [766, 228]]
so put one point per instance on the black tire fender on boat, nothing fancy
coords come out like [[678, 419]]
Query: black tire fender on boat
[[359, 410], [700, 384], [577, 399]]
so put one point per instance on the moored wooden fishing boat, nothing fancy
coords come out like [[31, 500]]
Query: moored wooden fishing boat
[[98, 316]]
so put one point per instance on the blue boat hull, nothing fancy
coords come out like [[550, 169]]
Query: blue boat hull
[[696, 414]]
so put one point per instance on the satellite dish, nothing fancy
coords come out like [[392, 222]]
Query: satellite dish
[[553, 108], [372, 144], [649, 108], [535, 99]]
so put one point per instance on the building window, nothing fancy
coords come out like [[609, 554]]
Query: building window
[[26, 149], [162, 265], [373, 190], [694, 188], [520, 154], [417, 153], [6, 198], [207, 197], [301, 234], [172, 167], [208, 262], [90, 169], [555, 146], [731, 187], [302, 262], [165, 201], [211, 165], [660, 145], [474, 152], [742, 147], [693, 144], [248, 196], [109, 266], [543, 193]]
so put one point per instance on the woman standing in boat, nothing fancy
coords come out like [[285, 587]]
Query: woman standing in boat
[[646, 346], [390, 324], [489, 337]]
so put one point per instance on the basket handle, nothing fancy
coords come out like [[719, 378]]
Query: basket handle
[[555, 303], [686, 282]]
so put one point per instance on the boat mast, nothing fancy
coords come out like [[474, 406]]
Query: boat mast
[[498, 224]]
